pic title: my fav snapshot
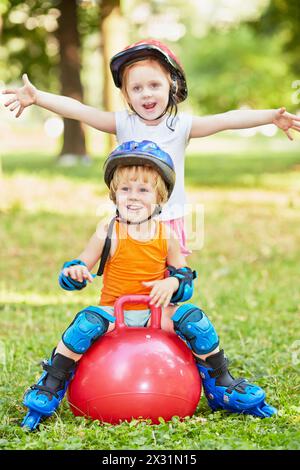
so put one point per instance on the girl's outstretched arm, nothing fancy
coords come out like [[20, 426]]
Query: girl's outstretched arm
[[66, 107], [242, 119]]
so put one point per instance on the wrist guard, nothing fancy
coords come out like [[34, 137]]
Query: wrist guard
[[66, 282], [185, 277]]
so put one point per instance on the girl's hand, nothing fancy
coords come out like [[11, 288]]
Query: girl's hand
[[22, 97], [286, 121], [78, 273], [162, 291]]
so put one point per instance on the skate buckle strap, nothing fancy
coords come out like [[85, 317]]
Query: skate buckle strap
[[239, 385], [56, 373], [219, 370], [44, 388]]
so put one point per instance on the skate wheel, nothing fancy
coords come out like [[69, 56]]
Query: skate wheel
[[268, 410], [31, 420], [262, 410]]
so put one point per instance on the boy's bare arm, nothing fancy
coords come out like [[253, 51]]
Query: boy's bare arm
[[93, 250], [175, 257]]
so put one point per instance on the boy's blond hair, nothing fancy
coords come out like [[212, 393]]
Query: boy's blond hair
[[144, 173], [128, 67]]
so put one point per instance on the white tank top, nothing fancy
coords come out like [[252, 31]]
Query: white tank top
[[130, 127]]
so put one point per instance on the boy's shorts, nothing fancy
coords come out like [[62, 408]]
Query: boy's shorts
[[131, 317]]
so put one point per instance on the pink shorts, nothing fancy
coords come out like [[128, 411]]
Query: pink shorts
[[178, 226]]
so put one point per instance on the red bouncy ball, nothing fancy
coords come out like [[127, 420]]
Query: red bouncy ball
[[136, 373]]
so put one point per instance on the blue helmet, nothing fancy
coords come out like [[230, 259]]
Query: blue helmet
[[141, 153]]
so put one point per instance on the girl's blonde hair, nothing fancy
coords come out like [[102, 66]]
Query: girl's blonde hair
[[146, 173], [145, 61]]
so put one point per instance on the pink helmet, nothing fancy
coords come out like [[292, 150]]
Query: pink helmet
[[150, 49]]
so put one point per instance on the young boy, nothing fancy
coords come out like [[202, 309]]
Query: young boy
[[141, 178]]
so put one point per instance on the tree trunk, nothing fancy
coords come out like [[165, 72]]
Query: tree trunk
[[114, 37], [74, 141]]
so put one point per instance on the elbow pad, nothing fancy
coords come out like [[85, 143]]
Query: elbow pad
[[185, 277], [66, 282]]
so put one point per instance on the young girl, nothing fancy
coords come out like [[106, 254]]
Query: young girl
[[153, 83], [141, 178]]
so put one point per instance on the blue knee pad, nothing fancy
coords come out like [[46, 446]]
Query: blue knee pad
[[88, 325], [193, 326]]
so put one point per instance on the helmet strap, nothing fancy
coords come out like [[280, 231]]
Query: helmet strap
[[156, 211]]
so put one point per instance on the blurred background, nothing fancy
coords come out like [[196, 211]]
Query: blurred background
[[236, 54]]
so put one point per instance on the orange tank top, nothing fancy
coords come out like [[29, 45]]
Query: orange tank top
[[134, 261]]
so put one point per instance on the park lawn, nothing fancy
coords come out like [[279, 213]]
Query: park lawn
[[248, 272]]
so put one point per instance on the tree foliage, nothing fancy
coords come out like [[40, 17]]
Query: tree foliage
[[29, 43], [229, 69], [282, 17]]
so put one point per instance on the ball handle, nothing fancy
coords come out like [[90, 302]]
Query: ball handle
[[136, 299]]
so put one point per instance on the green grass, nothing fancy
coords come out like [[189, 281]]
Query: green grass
[[211, 170], [235, 170], [248, 283], [46, 166]]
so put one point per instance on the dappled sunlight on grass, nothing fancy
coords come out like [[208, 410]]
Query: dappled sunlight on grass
[[57, 195], [42, 299], [243, 170], [37, 184], [283, 199], [46, 165]]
